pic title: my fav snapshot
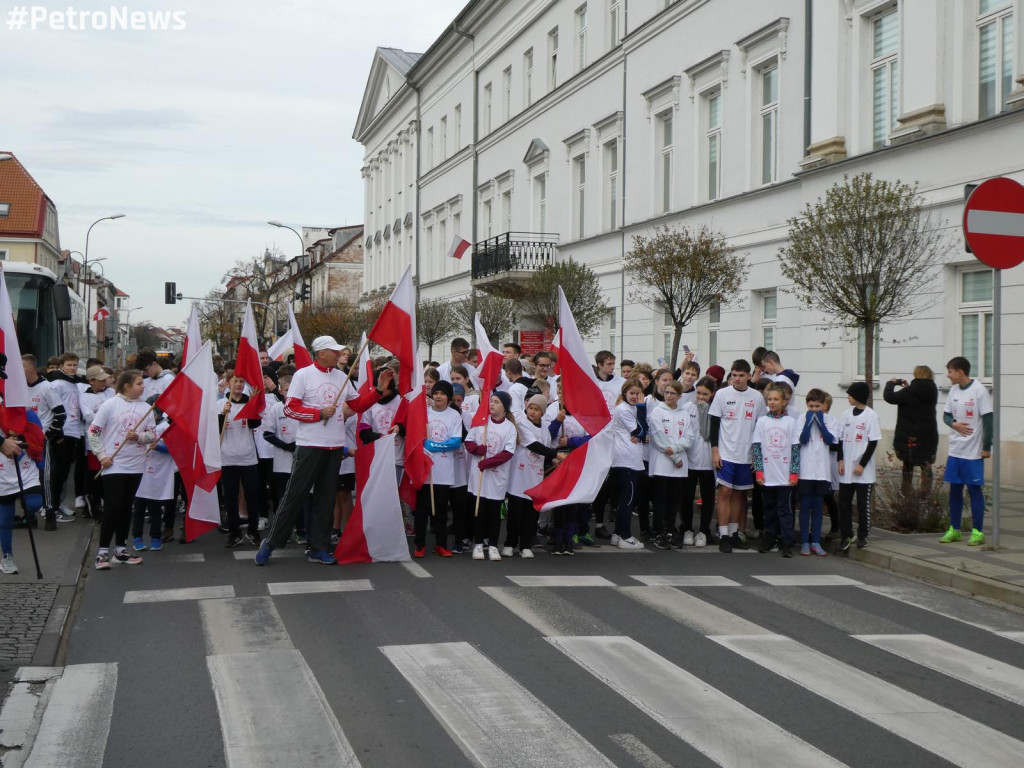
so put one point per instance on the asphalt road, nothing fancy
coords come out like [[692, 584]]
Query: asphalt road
[[456, 662]]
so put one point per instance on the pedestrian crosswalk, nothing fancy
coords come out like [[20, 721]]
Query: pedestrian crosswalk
[[694, 669]]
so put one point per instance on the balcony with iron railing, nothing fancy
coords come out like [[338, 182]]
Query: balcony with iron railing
[[512, 256]]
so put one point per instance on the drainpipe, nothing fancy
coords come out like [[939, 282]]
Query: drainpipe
[[808, 38], [476, 129], [622, 187], [416, 223]]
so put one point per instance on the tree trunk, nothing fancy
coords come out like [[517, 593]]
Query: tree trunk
[[869, 359], [677, 336]]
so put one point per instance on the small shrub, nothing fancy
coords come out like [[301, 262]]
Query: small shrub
[[918, 507]]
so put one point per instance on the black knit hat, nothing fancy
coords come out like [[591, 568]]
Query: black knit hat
[[444, 387], [506, 401], [859, 391]]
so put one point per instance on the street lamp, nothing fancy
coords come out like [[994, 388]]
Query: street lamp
[[285, 226], [128, 323], [85, 267]]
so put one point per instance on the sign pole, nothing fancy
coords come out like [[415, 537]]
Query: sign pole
[[997, 457]]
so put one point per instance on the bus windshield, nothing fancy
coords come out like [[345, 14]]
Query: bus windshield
[[34, 315]]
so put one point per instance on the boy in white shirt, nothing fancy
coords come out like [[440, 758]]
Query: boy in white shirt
[[859, 433], [968, 414]]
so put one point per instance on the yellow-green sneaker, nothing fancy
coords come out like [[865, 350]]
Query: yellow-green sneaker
[[977, 538], [951, 535]]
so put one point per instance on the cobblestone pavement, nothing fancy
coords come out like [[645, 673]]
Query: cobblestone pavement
[[24, 609]]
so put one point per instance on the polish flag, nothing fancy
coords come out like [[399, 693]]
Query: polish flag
[[579, 477], [190, 401], [459, 247], [395, 330], [14, 389], [248, 366], [375, 533], [581, 391], [101, 314], [364, 372], [291, 338], [193, 340], [488, 373]]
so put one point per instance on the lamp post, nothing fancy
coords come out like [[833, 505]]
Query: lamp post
[[128, 337], [301, 252], [85, 268]]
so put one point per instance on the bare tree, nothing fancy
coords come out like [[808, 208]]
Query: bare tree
[[864, 255], [498, 315], [220, 322], [435, 320], [683, 271], [539, 296]]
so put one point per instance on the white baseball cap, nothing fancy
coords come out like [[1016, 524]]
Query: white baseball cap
[[326, 342]]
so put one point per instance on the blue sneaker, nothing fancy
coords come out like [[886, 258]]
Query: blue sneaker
[[139, 544], [264, 552], [321, 556], [156, 544]]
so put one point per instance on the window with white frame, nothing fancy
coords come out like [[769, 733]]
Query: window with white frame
[[506, 102], [611, 175], [714, 325], [488, 219], [579, 196], [506, 210], [488, 95], [5, 210], [770, 124], [443, 138], [664, 162], [995, 55], [885, 76], [713, 144], [668, 330], [769, 315], [528, 78], [430, 148], [613, 23], [862, 352], [976, 291], [611, 328], [581, 37], [443, 244], [458, 128], [3, 254], [429, 236], [553, 59], [540, 202]]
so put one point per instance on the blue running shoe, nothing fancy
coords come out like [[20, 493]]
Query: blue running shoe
[[139, 544], [264, 552], [156, 544], [321, 556]]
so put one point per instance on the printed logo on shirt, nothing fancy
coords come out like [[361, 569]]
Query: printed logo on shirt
[[970, 414]]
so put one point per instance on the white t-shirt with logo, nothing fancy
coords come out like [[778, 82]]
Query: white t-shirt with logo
[[968, 406], [627, 453], [815, 457], [855, 433], [501, 436], [739, 412], [441, 427], [674, 424], [777, 437]]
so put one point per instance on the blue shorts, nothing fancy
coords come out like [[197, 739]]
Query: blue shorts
[[736, 476], [965, 471]]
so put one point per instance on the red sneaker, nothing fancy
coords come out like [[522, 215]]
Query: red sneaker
[[442, 552], [420, 552]]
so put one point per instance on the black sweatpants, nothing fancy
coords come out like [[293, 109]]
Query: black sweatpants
[[60, 456], [436, 515], [666, 491], [705, 480], [863, 493], [521, 525], [118, 493], [487, 524], [161, 516], [249, 477]]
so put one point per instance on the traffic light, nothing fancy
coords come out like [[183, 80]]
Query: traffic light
[[170, 293], [305, 291]]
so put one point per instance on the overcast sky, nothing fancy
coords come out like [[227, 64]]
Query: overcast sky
[[199, 135]]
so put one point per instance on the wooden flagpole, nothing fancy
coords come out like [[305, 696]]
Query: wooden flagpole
[[348, 376]]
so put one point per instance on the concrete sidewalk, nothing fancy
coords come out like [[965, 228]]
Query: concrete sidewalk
[[34, 610], [997, 574]]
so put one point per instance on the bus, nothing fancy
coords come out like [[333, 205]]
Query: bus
[[42, 310]]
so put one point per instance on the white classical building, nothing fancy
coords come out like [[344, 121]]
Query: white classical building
[[585, 123]]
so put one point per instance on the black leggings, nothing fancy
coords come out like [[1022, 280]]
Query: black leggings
[[521, 525], [437, 515], [705, 480], [161, 515], [487, 524], [118, 492], [249, 477], [665, 491]]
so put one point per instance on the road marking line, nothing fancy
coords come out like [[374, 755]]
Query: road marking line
[[995, 223], [171, 595], [417, 570], [988, 674], [76, 723], [249, 554], [686, 581], [548, 612], [560, 581], [243, 624], [273, 712], [639, 751], [311, 587], [809, 580], [699, 615], [969, 612], [1017, 637], [493, 719], [195, 557], [687, 706], [930, 726]]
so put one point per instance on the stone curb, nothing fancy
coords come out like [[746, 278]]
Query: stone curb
[[943, 576], [57, 626]]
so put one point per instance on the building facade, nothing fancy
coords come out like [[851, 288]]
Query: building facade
[[29, 229], [591, 122]]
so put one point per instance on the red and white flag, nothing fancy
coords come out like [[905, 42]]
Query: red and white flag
[[16, 398], [579, 477], [364, 372], [459, 247], [193, 340], [581, 390], [374, 533], [488, 373], [101, 314], [291, 338], [190, 401], [395, 330], [247, 365]]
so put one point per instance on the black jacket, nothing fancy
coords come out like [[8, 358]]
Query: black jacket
[[915, 417]]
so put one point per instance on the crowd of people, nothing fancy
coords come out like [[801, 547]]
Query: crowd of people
[[698, 455]]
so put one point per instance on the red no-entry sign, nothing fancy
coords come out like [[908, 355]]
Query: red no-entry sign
[[994, 223]]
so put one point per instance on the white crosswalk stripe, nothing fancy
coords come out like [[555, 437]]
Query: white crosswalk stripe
[[171, 595]]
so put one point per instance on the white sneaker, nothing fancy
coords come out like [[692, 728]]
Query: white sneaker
[[688, 539], [505, 551], [700, 540], [264, 522], [616, 539], [8, 566], [493, 553], [65, 515], [630, 543], [526, 553], [80, 502], [478, 551]]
